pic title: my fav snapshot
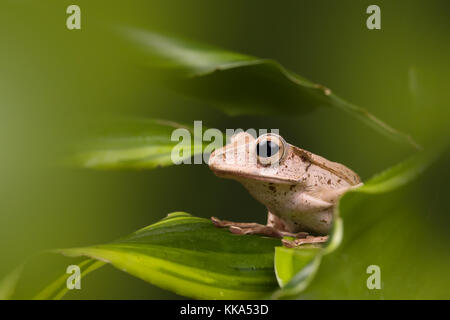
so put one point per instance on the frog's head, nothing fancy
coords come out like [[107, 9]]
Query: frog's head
[[267, 158]]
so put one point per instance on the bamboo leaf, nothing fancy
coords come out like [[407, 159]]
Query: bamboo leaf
[[361, 211], [9, 282], [57, 289], [190, 256], [241, 84], [136, 144]]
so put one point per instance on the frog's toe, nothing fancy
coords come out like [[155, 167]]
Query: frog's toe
[[288, 243], [217, 222], [258, 230], [236, 230]]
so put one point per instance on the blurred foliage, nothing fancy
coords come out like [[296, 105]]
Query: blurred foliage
[[241, 84], [137, 144], [56, 86]]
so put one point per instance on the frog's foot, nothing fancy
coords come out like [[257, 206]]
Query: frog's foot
[[224, 223], [267, 231], [256, 228], [307, 240]]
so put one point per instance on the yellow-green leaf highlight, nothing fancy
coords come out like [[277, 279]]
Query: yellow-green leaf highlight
[[190, 256]]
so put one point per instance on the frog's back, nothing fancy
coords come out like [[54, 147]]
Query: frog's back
[[334, 167]]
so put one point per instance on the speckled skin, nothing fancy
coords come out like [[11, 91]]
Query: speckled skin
[[299, 193]]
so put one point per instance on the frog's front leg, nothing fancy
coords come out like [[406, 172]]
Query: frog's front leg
[[274, 228], [225, 223]]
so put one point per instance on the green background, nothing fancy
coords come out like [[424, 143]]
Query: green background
[[55, 84]]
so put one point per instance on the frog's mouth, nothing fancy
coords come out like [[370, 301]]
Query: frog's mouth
[[264, 178]]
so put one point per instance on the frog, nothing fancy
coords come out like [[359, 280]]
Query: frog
[[299, 188]]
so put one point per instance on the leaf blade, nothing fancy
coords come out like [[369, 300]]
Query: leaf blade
[[323, 282], [192, 257], [242, 84], [9, 283], [137, 144]]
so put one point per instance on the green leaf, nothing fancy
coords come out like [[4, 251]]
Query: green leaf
[[136, 144], [9, 282], [241, 84], [296, 267], [372, 236], [190, 256], [58, 288], [288, 262]]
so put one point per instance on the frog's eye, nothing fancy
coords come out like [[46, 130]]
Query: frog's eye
[[269, 149]]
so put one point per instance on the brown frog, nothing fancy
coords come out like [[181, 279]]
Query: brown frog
[[299, 188]]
